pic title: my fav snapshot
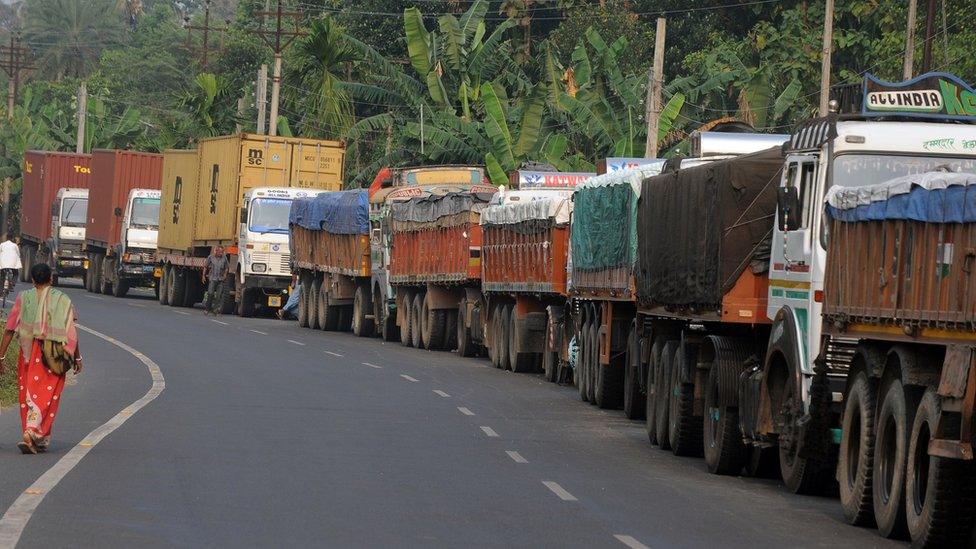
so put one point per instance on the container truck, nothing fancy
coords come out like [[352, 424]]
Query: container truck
[[46, 236], [123, 221], [235, 192], [847, 354]]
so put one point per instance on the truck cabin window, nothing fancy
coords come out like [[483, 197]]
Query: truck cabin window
[[801, 177], [145, 213], [855, 170], [74, 212], [269, 215]]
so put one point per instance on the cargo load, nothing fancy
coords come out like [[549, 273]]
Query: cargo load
[[900, 253], [437, 238], [44, 173], [177, 213], [330, 232], [114, 174], [703, 227], [526, 243]]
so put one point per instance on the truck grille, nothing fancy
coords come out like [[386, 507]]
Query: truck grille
[[285, 263], [278, 264]]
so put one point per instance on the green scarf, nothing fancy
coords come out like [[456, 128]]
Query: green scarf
[[45, 315]]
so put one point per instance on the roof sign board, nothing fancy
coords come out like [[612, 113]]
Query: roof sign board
[[551, 180], [936, 95], [617, 164]]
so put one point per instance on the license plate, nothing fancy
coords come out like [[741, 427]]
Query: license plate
[[274, 301], [157, 272], [71, 263]]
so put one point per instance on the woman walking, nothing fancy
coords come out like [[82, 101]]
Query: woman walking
[[43, 319]]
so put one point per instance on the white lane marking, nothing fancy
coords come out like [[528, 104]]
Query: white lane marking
[[333, 354], [137, 305], [15, 519], [372, 365], [295, 342], [408, 378], [465, 411], [184, 313], [94, 297], [516, 457], [559, 490], [260, 332], [489, 431], [442, 393], [630, 541], [219, 322]]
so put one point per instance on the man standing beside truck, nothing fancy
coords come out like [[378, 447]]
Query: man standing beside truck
[[215, 275]]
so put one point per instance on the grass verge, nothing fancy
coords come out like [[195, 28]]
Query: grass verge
[[8, 379]]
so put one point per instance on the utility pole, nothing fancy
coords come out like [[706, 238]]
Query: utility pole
[[277, 45], [655, 82], [828, 44], [82, 115], [204, 51], [908, 69], [262, 97], [240, 115], [13, 60], [929, 30]]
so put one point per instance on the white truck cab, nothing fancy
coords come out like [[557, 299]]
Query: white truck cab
[[68, 216], [140, 224]]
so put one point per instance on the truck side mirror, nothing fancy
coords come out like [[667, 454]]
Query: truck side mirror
[[118, 212], [788, 208], [244, 215], [54, 209]]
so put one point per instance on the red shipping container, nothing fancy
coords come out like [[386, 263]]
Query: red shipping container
[[44, 173], [114, 174]]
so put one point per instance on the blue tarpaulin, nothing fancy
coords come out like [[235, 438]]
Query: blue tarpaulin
[[934, 197], [338, 212]]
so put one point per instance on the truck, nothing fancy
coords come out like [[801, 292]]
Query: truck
[[807, 310], [50, 226], [235, 192], [123, 220]]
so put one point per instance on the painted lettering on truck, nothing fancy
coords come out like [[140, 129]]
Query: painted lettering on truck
[[214, 176], [255, 157], [177, 198]]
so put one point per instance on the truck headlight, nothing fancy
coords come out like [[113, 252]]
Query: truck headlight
[[259, 267]]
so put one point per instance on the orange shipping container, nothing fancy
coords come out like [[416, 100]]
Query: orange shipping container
[[44, 173], [114, 174]]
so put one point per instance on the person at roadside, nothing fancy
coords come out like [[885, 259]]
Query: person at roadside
[[215, 276], [291, 306], [43, 320], [9, 261]]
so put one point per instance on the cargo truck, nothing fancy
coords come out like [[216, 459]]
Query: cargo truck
[[123, 221], [837, 341], [49, 222], [235, 192]]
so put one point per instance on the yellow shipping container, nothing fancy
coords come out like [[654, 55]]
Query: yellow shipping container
[[231, 165], [177, 209]]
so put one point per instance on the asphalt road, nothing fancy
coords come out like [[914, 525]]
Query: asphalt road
[[268, 434]]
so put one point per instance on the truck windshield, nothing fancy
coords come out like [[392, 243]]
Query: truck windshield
[[269, 215], [855, 170], [145, 213], [74, 212]]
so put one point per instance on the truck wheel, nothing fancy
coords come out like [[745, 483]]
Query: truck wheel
[[650, 401], [433, 328], [633, 398], [229, 305], [105, 270], [330, 316], [608, 387], [120, 288], [416, 321], [494, 352], [246, 306], [501, 336], [451, 330], [939, 498], [662, 389], [177, 290], [685, 429], [362, 326], [583, 361], [594, 362], [891, 458], [800, 475], [303, 296], [406, 337], [465, 347], [385, 321], [550, 358], [856, 454], [314, 302], [725, 453], [164, 286]]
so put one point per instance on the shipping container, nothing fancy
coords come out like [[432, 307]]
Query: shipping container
[[44, 173], [114, 174], [231, 165], [177, 212]]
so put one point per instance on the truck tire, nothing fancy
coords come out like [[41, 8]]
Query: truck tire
[[105, 271], [501, 336], [362, 326], [650, 402], [685, 428], [246, 306], [330, 315], [662, 385], [406, 337], [314, 302], [465, 347], [893, 427], [800, 475], [229, 304], [856, 454], [416, 321], [451, 332], [177, 292], [163, 281], [385, 321], [303, 304], [608, 387], [725, 453], [594, 363], [582, 374], [633, 398], [939, 498], [494, 336], [433, 327], [120, 288]]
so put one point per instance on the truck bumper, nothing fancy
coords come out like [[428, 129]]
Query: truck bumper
[[70, 266], [139, 274]]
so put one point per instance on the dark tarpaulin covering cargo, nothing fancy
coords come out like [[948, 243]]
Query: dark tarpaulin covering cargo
[[339, 212], [438, 210], [602, 227], [701, 227]]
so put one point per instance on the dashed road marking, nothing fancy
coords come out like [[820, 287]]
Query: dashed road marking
[[372, 365], [184, 313], [516, 457], [140, 305], [630, 541], [219, 322], [333, 354], [260, 332], [296, 342], [561, 492], [442, 393], [489, 431], [94, 297], [408, 378], [465, 411]]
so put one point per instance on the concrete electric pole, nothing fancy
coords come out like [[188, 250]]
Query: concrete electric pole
[[828, 45], [82, 115], [909, 68], [655, 84], [274, 40]]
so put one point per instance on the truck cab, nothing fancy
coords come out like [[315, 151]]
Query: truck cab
[[264, 261], [68, 215]]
